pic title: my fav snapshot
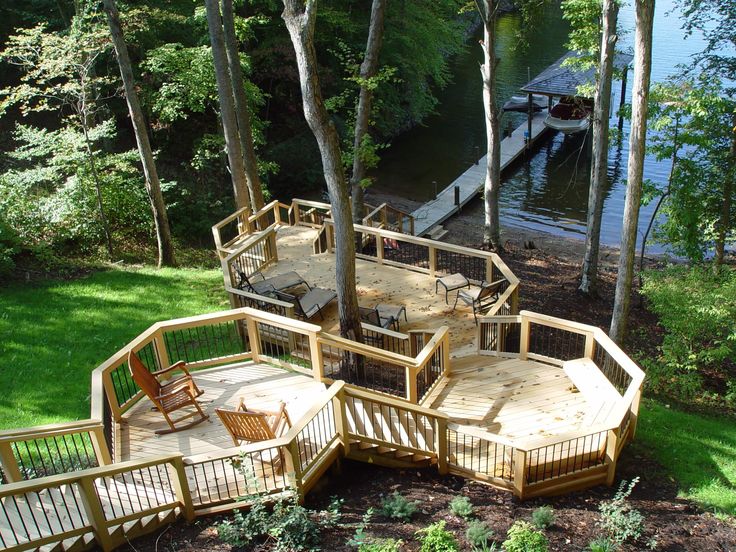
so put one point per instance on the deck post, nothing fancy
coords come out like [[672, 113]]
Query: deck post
[[341, 420], [446, 353], [315, 351], [95, 514], [524, 338], [181, 488], [293, 468], [442, 446], [634, 414], [611, 445], [519, 473], [529, 118], [9, 463], [432, 262], [161, 352], [379, 248], [253, 339], [411, 384], [99, 444], [589, 345]]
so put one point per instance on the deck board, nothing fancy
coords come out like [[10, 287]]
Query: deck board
[[376, 284]]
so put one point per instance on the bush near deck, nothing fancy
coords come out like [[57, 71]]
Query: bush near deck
[[53, 334], [696, 308]]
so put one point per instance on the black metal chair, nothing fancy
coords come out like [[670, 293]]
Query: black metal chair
[[480, 298], [370, 315], [309, 304]]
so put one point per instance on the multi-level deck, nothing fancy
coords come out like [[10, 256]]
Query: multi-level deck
[[523, 401]]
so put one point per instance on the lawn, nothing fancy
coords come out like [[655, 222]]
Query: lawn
[[53, 334], [698, 451]]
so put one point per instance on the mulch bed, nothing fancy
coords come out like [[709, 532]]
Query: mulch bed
[[549, 285]]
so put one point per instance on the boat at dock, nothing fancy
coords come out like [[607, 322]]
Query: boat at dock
[[570, 115], [520, 104]]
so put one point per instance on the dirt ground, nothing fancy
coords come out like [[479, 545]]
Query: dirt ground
[[549, 274]]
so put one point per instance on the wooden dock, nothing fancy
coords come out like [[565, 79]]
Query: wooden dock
[[471, 181]]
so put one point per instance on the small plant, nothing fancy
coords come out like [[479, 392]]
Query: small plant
[[479, 534], [359, 538], [331, 516], [461, 507], [436, 538], [619, 519], [543, 517], [381, 545], [522, 537], [602, 544], [396, 506]]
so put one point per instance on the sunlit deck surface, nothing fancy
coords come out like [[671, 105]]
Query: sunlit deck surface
[[376, 284], [262, 386], [510, 397]]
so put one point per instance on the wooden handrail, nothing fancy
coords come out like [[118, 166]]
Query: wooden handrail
[[481, 434]]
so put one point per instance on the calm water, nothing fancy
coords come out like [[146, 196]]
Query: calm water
[[549, 191]]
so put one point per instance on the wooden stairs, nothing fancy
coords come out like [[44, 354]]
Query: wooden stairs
[[389, 457]]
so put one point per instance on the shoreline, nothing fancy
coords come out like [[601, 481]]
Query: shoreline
[[463, 229]]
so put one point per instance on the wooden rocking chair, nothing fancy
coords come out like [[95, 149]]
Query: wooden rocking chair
[[168, 396], [254, 425]]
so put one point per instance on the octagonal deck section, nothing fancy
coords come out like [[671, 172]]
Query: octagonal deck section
[[508, 397], [375, 283]]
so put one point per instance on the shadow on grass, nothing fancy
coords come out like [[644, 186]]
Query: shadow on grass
[[53, 334], [698, 451]]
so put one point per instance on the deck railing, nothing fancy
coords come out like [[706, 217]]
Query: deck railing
[[390, 218], [108, 502], [590, 454]]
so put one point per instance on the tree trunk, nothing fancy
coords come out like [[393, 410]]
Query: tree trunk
[[637, 142], [599, 168], [242, 110], [368, 69], [98, 189], [724, 219], [153, 186], [492, 187], [299, 17], [227, 106]]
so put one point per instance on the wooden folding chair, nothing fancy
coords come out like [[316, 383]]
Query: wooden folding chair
[[168, 396], [244, 424]]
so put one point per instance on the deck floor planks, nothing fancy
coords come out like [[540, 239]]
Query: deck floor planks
[[375, 284], [510, 397]]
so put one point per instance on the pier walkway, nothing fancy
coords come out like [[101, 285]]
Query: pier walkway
[[471, 181]]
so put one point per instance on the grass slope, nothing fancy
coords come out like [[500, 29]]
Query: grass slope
[[698, 451], [53, 334]]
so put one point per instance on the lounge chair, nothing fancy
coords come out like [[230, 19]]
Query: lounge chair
[[480, 298], [260, 285], [249, 425], [370, 315], [168, 396], [309, 304]]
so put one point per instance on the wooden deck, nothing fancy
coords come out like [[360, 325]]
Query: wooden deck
[[376, 284], [510, 397], [471, 181], [262, 386]]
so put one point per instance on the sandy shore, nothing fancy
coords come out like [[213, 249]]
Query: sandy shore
[[466, 228]]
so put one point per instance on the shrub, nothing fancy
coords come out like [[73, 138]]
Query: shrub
[[522, 537], [436, 538], [289, 525], [381, 545], [602, 544], [461, 507], [396, 506], [478, 534], [695, 306], [619, 519], [543, 517]]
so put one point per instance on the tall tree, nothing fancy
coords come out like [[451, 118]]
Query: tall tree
[[644, 18], [300, 18], [488, 10], [242, 109], [368, 70], [227, 105], [153, 186], [599, 166]]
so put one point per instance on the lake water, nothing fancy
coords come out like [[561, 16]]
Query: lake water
[[548, 191]]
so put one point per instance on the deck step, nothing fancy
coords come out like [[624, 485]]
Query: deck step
[[437, 233]]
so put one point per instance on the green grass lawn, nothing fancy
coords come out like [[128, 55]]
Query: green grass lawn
[[53, 334], [699, 452]]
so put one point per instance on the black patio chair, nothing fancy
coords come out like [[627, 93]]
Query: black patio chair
[[480, 298]]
